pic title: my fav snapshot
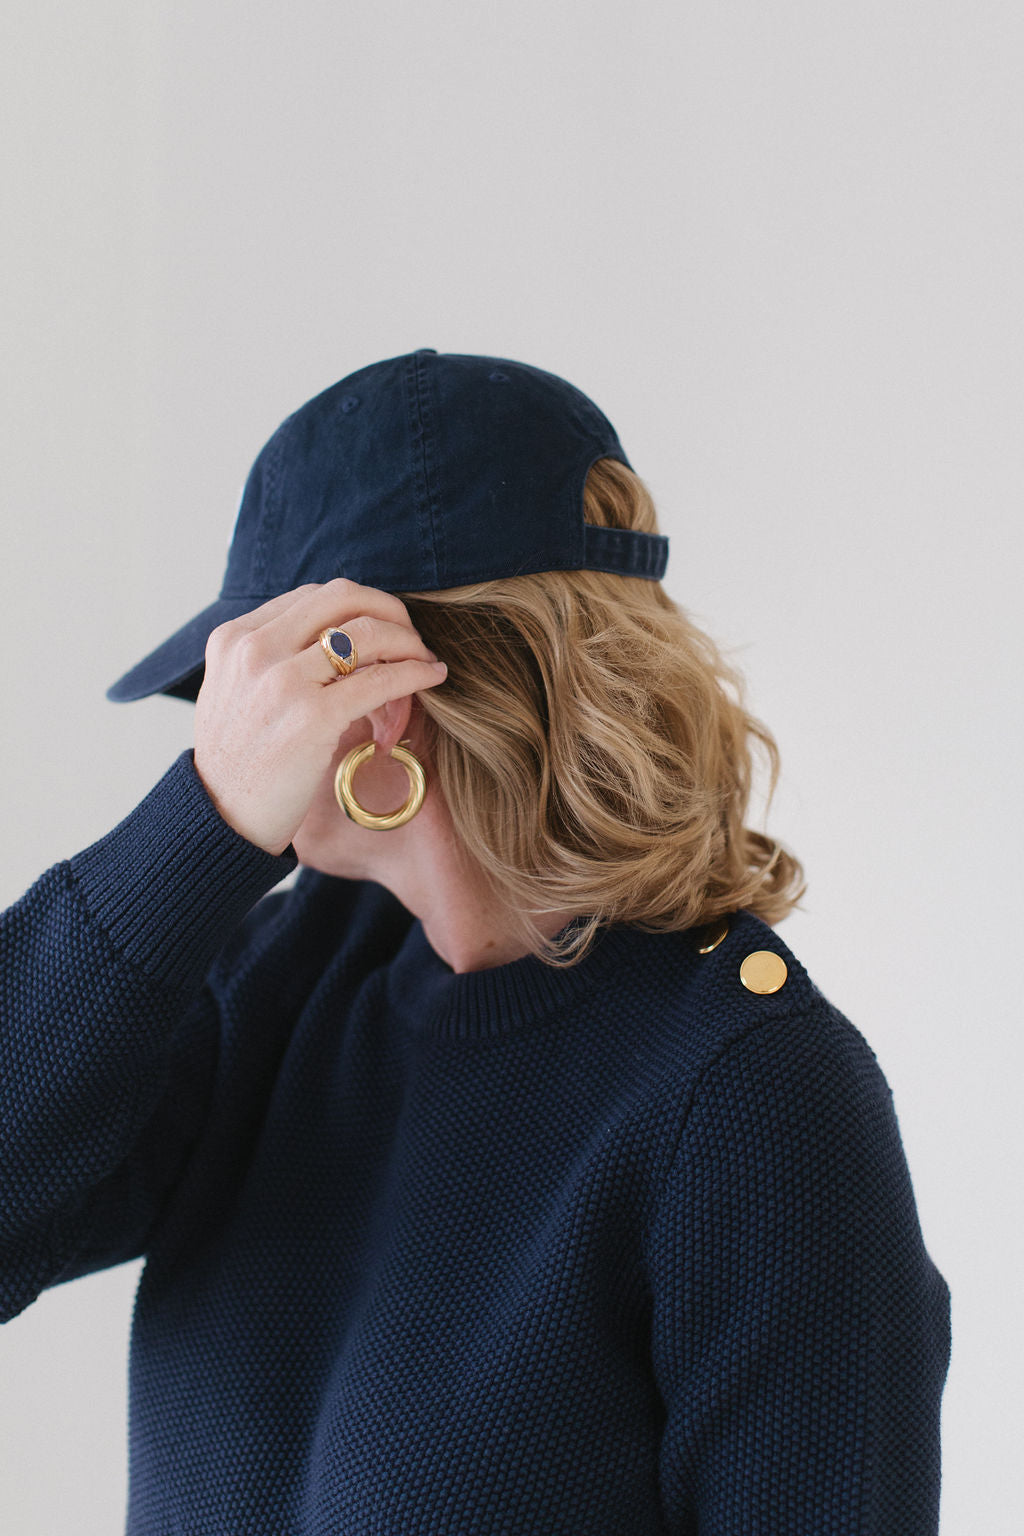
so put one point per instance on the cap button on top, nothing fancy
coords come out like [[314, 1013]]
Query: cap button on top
[[763, 971]]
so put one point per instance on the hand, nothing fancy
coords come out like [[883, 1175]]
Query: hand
[[272, 709]]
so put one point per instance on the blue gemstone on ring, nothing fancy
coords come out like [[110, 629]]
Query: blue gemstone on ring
[[340, 644]]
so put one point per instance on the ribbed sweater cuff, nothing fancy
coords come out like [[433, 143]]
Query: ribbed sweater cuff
[[172, 880]]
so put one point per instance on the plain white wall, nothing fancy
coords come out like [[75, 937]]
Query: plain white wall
[[781, 247]]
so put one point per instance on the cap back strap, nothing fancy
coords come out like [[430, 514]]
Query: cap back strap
[[625, 551]]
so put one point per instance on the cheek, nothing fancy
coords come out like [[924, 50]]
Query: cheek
[[324, 807], [358, 732]]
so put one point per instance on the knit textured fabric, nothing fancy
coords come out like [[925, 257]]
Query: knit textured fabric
[[616, 1250]]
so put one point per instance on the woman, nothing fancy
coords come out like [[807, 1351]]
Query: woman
[[507, 1172]]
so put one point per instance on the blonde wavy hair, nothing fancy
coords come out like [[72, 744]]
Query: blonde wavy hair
[[595, 750]]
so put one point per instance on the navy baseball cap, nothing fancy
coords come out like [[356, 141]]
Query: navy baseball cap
[[425, 471]]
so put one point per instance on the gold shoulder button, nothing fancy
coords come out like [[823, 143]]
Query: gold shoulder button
[[711, 935], [763, 971]]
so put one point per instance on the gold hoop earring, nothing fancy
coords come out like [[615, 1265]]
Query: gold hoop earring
[[345, 796]]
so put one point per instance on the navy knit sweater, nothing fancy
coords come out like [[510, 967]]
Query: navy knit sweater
[[624, 1248]]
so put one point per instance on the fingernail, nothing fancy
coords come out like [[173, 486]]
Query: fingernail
[[439, 666]]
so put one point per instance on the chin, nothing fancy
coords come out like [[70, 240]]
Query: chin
[[324, 863], [317, 851]]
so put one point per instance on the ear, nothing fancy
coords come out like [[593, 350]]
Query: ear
[[390, 722]]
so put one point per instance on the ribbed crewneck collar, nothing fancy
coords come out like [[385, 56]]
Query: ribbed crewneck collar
[[429, 998]]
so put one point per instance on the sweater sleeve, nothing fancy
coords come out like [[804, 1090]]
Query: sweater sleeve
[[108, 1029], [800, 1331]]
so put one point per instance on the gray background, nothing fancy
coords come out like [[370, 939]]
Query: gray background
[[780, 245]]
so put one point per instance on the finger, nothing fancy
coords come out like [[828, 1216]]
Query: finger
[[256, 617], [369, 687], [331, 606]]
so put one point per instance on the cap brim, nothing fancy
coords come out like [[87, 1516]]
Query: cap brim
[[176, 667]]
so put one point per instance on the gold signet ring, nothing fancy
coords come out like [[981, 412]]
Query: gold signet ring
[[340, 650]]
